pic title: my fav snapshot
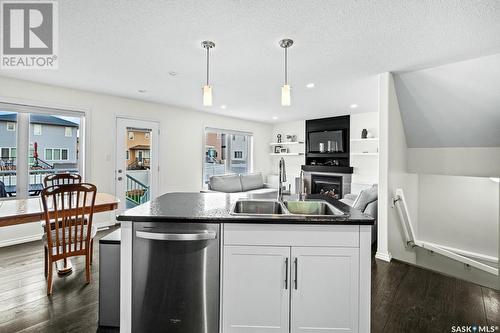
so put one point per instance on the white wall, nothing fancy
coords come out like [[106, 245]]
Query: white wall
[[293, 163], [477, 162], [459, 212], [181, 136], [393, 175], [455, 211]]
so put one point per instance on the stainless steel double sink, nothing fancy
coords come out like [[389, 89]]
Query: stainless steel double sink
[[274, 208]]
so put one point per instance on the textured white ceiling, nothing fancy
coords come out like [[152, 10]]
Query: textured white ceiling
[[455, 105], [118, 47]]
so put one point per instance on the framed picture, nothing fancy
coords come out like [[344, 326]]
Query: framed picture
[[277, 149]]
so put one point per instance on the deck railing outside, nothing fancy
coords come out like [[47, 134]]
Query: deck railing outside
[[137, 192], [36, 176]]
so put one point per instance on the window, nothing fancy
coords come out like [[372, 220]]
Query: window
[[64, 154], [5, 153], [226, 152], [48, 155], [37, 129], [131, 135], [146, 135], [43, 144], [56, 154], [68, 131]]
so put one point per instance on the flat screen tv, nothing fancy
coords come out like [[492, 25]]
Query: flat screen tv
[[326, 141]]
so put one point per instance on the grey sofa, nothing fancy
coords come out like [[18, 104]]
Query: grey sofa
[[367, 202], [242, 183]]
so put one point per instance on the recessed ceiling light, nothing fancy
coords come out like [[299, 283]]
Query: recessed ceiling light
[[353, 106], [223, 106], [310, 85], [275, 118], [142, 91], [172, 73]]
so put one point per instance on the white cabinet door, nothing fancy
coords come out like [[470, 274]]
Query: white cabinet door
[[325, 290], [255, 289]]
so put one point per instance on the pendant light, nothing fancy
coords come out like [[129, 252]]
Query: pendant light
[[207, 89], [285, 89]]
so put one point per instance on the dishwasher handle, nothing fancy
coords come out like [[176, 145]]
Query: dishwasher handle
[[199, 235]]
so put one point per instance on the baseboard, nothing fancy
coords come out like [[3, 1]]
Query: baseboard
[[383, 256], [27, 239], [20, 240]]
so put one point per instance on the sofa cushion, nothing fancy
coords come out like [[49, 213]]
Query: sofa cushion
[[226, 183], [262, 191], [251, 181], [372, 209], [365, 197]]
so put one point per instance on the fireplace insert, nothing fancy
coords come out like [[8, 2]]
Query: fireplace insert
[[327, 185]]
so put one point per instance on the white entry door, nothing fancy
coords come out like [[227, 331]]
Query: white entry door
[[137, 161]]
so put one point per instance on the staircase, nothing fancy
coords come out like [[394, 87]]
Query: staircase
[[137, 193]]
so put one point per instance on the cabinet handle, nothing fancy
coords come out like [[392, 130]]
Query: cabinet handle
[[195, 236], [296, 263], [286, 273]]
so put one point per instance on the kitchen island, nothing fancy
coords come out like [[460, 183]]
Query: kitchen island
[[193, 261]]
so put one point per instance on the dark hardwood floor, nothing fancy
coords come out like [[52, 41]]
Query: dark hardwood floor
[[405, 299], [409, 299]]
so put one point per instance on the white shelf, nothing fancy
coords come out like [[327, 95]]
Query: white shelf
[[287, 154], [364, 154], [285, 143], [367, 139]]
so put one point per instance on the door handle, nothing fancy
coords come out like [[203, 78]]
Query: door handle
[[195, 236], [296, 264], [286, 273], [120, 178]]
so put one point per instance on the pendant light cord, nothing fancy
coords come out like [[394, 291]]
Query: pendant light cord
[[286, 66], [208, 64]]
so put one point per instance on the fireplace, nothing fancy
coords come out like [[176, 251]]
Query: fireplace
[[326, 184]]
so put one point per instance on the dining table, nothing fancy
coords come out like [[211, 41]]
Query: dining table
[[14, 211]]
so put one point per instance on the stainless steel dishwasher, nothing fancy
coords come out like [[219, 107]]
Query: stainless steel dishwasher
[[175, 279]]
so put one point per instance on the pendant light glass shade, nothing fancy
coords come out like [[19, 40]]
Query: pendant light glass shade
[[285, 88], [207, 88], [207, 95], [285, 95]]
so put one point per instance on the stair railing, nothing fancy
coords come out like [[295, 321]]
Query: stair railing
[[411, 240]]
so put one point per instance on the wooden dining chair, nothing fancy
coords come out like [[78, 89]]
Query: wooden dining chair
[[72, 205], [62, 179]]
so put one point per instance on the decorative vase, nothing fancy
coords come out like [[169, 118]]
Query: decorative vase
[[364, 133]]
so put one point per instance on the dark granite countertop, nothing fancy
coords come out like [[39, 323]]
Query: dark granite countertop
[[216, 207]]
